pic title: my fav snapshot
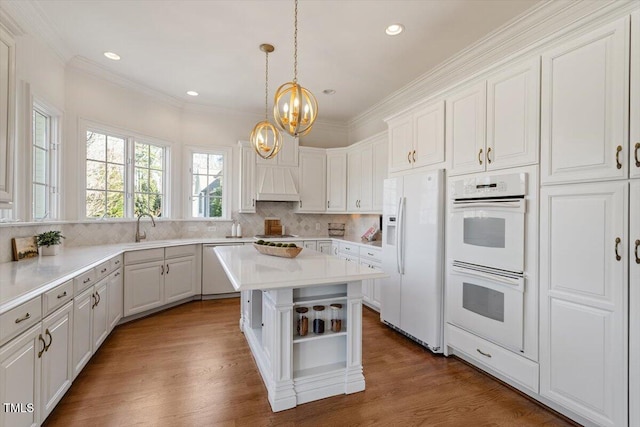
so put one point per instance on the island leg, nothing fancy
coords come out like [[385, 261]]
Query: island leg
[[354, 378]]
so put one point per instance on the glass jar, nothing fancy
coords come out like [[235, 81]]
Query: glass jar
[[303, 321], [318, 321], [336, 317]]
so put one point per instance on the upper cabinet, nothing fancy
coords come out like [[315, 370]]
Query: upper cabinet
[[634, 119], [7, 116], [247, 178], [494, 124], [287, 156], [366, 172], [585, 95], [336, 180], [313, 180], [417, 138]]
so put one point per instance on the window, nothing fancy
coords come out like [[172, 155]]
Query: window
[[209, 185], [44, 162], [125, 176]]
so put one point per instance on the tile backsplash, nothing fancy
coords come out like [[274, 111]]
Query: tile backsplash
[[112, 232]]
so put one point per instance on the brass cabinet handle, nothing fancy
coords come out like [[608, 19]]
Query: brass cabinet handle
[[117, 262], [62, 295], [253, 202], [23, 318], [93, 297], [162, 269], [480, 156], [636, 251], [44, 346], [489, 155], [618, 150], [300, 203], [618, 257], [117, 274], [414, 156], [167, 268], [483, 353], [635, 154], [103, 271], [409, 157], [87, 280], [98, 297]]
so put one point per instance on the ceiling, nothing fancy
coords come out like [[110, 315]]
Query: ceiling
[[212, 46]]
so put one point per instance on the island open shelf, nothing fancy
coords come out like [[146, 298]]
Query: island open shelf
[[299, 369]]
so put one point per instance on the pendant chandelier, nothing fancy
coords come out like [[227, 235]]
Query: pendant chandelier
[[295, 108], [265, 137]]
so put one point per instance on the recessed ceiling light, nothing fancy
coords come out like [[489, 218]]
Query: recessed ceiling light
[[329, 91], [394, 29], [192, 93], [113, 56]]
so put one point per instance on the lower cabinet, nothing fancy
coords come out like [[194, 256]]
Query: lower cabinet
[[115, 288], [324, 246], [91, 323], [369, 257]]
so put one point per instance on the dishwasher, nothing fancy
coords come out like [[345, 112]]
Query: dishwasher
[[214, 278]]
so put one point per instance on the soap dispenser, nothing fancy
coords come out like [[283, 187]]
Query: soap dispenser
[[234, 230], [238, 231]]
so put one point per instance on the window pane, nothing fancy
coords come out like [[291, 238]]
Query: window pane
[[115, 204], [216, 187], [156, 157], [199, 163], [155, 205], [215, 164], [215, 207], [142, 155], [39, 201], [96, 146], [155, 182], [115, 177], [141, 183], [39, 129], [96, 175], [115, 150], [197, 206], [39, 165], [95, 203], [141, 204]]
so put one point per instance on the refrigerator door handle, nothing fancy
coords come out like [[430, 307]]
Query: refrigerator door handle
[[398, 237], [401, 236]]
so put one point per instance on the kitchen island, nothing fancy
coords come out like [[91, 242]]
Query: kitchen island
[[298, 369]]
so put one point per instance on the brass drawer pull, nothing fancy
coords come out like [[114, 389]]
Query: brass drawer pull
[[618, 257], [87, 280], [93, 296], [117, 262], [62, 295], [480, 156], [117, 274], [636, 251], [483, 353], [22, 319], [167, 268], [618, 150], [103, 271], [162, 270]]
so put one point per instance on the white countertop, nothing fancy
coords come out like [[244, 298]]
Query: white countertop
[[23, 280], [249, 269]]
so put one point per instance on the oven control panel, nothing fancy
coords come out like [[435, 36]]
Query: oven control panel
[[510, 185]]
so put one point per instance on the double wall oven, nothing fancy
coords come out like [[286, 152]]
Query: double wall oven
[[486, 284]]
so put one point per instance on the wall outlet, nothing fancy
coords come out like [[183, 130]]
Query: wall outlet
[[192, 228], [318, 227], [212, 228]]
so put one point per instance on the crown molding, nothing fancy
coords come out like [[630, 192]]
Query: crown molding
[[9, 24], [536, 28]]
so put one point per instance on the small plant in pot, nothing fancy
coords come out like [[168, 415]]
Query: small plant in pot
[[50, 242]]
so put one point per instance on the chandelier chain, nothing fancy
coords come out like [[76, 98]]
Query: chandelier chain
[[266, 86], [295, 43]]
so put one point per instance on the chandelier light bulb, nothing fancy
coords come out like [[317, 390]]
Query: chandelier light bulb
[[265, 137]]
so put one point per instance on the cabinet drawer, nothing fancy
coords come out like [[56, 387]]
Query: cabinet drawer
[[349, 248], [180, 251], [84, 280], [349, 257], [20, 319], [116, 262], [372, 254], [102, 270], [57, 297], [146, 255], [517, 368]]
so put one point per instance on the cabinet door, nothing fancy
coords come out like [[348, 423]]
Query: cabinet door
[[513, 103], [634, 119], [116, 298], [634, 309], [100, 314], [20, 379], [324, 247], [310, 244], [336, 182], [400, 143], [313, 181], [428, 143], [365, 203], [585, 89], [354, 175], [57, 363], [380, 163], [583, 299], [247, 179], [143, 287], [82, 329], [179, 278], [465, 124]]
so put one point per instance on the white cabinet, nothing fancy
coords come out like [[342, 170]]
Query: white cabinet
[[20, 374], [310, 244], [372, 258], [155, 277], [313, 180], [634, 304], [466, 129], [287, 156], [336, 180], [583, 299], [324, 246], [247, 178], [82, 329], [417, 139], [584, 104], [359, 179], [634, 117], [115, 292], [100, 317]]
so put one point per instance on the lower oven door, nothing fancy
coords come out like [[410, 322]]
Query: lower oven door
[[488, 305]]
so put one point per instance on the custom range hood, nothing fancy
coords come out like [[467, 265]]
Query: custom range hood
[[277, 184]]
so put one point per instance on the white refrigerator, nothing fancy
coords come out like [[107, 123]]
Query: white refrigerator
[[413, 257]]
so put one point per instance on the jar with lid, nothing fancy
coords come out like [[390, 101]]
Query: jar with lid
[[336, 317], [318, 321], [303, 321]]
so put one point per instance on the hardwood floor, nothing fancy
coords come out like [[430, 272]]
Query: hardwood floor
[[191, 366]]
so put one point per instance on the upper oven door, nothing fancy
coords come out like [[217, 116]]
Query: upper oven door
[[489, 233]]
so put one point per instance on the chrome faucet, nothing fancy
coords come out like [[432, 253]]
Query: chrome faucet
[[144, 234]]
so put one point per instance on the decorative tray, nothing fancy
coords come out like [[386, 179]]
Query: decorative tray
[[283, 252]]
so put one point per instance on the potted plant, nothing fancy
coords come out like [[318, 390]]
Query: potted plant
[[50, 242]]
